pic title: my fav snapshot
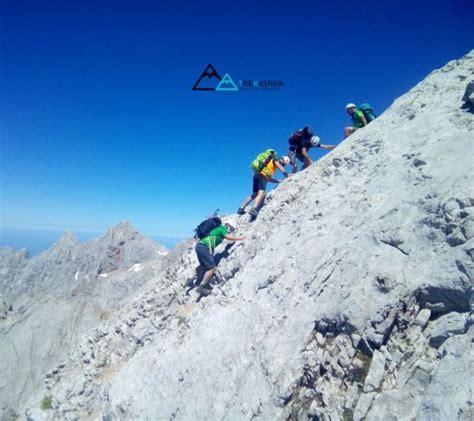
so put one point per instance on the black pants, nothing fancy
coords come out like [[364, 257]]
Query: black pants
[[259, 182], [205, 258]]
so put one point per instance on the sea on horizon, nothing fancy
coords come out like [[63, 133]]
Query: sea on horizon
[[36, 240]]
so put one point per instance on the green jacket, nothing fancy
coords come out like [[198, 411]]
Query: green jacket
[[357, 118], [214, 238]]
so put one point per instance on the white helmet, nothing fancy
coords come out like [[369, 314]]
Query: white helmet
[[231, 223], [350, 105], [285, 159], [315, 141]]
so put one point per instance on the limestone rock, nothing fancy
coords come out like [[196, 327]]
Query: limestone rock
[[423, 317], [449, 394], [321, 298], [363, 406], [55, 298], [3, 307], [468, 97], [448, 325], [11, 262], [376, 372]]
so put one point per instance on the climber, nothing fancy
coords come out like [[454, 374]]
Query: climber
[[358, 119], [260, 180], [300, 142], [205, 251], [361, 116]]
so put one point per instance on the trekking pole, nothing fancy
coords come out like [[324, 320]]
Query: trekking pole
[[219, 283], [212, 215]]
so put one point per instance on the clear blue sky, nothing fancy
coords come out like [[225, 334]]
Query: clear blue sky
[[99, 122]]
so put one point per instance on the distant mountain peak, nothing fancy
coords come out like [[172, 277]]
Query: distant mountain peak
[[67, 238], [122, 231], [122, 226]]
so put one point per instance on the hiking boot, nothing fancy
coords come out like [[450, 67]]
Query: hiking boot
[[240, 211], [204, 290], [253, 214], [189, 283]]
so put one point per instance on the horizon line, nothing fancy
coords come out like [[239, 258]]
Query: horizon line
[[88, 230]]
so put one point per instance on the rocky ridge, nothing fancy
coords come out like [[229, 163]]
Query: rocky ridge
[[49, 302], [351, 297]]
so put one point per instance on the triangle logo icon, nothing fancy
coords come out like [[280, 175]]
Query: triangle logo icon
[[206, 82], [227, 84]]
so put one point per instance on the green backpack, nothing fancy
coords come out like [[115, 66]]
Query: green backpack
[[262, 159]]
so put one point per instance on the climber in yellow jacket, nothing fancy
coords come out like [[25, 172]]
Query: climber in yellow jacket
[[268, 166]]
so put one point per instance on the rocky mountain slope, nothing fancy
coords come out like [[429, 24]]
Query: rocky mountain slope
[[50, 301], [350, 298]]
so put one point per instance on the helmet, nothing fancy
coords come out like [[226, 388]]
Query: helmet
[[315, 141], [350, 105], [292, 156], [285, 159], [231, 224]]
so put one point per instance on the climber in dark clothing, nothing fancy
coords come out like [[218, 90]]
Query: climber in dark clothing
[[300, 142]]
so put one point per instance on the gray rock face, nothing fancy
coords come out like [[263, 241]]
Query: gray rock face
[[446, 326], [451, 387], [65, 266], [3, 307], [376, 372], [423, 318], [468, 97], [11, 263], [51, 301], [327, 308]]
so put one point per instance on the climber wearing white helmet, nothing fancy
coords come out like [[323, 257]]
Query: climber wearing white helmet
[[260, 180], [361, 116], [300, 142], [218, 232]]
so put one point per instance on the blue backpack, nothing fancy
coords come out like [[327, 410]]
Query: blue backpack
[[367, 111]]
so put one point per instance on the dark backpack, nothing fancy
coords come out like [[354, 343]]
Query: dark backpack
[[205, 227], [298, 136], [367, 111]]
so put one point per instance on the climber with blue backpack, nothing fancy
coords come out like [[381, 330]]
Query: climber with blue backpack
[[211, 232], [264, 167], [361, 116]]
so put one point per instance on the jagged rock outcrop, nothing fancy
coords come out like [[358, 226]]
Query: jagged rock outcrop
[[12, 262], [468, 97], [51, 301], [68, 262], [350, 298]]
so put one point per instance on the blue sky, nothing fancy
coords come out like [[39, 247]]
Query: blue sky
[[99, 122]]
